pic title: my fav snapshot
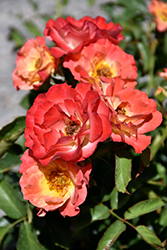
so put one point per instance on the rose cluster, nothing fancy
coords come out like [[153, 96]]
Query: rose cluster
[[65, 125]]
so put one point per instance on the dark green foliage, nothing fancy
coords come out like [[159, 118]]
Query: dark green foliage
[[126, 205]]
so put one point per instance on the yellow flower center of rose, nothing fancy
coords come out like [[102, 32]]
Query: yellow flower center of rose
[[103, 69], [121, 111], [56, 180], [33, 65], [59, 181], [72, 128], [163, 15]]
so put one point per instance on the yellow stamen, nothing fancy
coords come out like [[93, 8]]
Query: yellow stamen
[[59, 181], [72, 128]]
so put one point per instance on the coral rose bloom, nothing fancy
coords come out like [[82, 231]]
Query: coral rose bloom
[[159, 10], [71, 34], [134, 114], [66, 123], [163, 74], [101, 61], [34, 63], [59, 185]]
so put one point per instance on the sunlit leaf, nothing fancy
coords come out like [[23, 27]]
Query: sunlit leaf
[[10, 203], [148, 236], [114, 199], [143, 207], [99, 212], [122, 173], [27, 239], [111, 234]]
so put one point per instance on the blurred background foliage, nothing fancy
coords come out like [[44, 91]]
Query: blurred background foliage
[[130, 216]]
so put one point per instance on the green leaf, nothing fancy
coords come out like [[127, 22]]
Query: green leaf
[[163, 217], [143, 207], [10, 133], [99, 212], [165, 44], [17, 37], [9, 161], [91, 2], [28, 99], [10, 203], [64, 2], [148, 236], [27, 240], [3, 231], [32, 28], [4, 226], [34, 5], [133, 186], [122, 172], [114, 199], [146, 157], [144, 54], [111, 234]]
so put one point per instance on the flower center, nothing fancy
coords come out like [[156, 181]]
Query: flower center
[[59, 181], [72, 128], [121, 111], [104, 71], [102, 68], [163, 16]]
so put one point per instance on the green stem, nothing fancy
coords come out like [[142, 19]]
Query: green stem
[[16, 222], [58, 9], [121, 219], [153, 46]]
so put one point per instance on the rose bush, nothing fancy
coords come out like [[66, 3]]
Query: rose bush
[[34, 64], [66, 123], [70, 34], [59, 185], [98, 124]]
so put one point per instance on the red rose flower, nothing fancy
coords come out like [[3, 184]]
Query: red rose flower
[[159, 10], [59, 185], [71, 34], [34, 63], [66, 123], [134, 114], [101, 61]]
